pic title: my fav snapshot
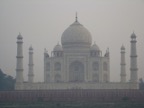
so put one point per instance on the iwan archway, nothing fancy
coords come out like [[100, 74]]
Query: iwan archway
[[76, 72]]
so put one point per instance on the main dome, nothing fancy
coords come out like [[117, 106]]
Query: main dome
[[76, 35]]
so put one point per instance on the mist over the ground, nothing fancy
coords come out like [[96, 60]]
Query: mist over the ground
[[42, 22]]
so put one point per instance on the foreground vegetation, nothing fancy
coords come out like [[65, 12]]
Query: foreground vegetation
[[6, 81], [71, 105]]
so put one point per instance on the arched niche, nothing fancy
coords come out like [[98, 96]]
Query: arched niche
[[76, 72]]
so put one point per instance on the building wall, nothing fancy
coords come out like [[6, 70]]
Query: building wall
[[88, 85], [77, 95], [54, 68], [94, 67]]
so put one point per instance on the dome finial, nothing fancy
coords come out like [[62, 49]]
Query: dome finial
[[30, 48], [19, 36], [76, 17], [133, 35], [122, 47]]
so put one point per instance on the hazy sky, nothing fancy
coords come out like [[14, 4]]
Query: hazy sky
[[42, 22]]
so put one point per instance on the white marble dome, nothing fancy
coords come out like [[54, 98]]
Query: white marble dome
[[76, 34], [122, 47], [94, 47], [133, 35], [19, 36], [30, 48], [58, 47]]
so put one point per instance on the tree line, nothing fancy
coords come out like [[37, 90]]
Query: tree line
[[6, 81]]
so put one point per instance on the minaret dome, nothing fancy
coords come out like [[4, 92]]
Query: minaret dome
[[19, 36]]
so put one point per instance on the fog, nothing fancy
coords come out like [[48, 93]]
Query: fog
[[42, 22]]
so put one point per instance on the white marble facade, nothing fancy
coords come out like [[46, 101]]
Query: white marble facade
[[76, 60], [75, 64]]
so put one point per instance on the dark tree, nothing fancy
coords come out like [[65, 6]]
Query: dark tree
[[141, 84], [6, 81]]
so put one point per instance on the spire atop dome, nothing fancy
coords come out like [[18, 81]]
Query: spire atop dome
[[94, 47], [58, 47], [122, 47], [19, 36], [76, 35], [76, 18], [30, 48], [133, 35]]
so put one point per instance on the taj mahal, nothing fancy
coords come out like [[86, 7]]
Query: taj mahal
[[76, 63]]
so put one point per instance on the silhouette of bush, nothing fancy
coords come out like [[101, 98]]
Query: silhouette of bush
[[6, 81]]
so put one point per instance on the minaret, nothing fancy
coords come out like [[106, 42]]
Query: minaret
[[30, 74], [133, 60], [123, 64], [19, 65]]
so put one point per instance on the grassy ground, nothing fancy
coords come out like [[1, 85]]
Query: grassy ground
[[71, 105]]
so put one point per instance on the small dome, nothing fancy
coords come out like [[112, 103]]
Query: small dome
[[122, 48], [58, 47], [30, 48], [76, 34], [19, 36], [94, 47], [133, 35]]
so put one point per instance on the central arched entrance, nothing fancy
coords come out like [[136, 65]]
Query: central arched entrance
[[76, 72]]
